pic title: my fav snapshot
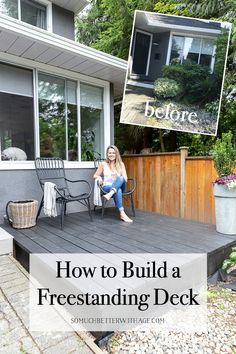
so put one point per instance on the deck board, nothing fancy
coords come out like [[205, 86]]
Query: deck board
[[149, 233]]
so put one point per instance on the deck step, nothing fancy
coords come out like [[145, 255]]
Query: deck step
[[6, 242]]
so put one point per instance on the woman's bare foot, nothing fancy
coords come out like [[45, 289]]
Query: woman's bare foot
[[125, 217], [109, 195]]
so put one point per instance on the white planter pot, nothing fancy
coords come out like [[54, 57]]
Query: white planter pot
[[225, 207]]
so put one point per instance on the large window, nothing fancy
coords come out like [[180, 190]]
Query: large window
[[58, 119], [29, 11], [65, 130], [17, 110], [198, 50]]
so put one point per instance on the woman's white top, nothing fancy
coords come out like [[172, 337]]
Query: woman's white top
[[108, 175]]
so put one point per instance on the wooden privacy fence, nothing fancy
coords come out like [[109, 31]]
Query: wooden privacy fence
[[174, 184]]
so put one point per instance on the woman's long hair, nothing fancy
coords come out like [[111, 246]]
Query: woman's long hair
[[118, 161]]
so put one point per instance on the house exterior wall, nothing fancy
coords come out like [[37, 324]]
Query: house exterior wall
[[62, 22], [23, 184]]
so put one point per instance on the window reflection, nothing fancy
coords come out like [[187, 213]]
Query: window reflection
[[9, 8], [197, 50], [52, 116], [92, 121], [34, 13]]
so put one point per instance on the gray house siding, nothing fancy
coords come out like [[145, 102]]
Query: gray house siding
[[23, 184], [158, 55], [63, 22]]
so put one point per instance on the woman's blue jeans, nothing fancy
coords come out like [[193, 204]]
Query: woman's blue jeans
[[118, 186]]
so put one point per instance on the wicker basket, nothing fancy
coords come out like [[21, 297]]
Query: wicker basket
[[22, 214]]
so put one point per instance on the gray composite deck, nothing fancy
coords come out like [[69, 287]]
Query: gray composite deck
[[149, 233]]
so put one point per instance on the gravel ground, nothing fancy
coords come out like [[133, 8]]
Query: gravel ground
[[220, 339]]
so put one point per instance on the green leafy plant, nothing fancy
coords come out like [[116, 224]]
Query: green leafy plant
[[231, 260], [224, 155], [166, 88], [87, 145], [198, 85]]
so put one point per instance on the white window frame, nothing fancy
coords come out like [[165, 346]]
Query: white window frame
[[65, 74], [149, 52], [181, 34], [48, 5]]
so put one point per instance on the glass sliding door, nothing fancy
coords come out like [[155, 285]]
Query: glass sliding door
[[17, 110], [52, 123], [92, 121], [59, 130], [72, 120]]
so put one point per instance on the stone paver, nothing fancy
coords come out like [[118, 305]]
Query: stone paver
[[15, 338]]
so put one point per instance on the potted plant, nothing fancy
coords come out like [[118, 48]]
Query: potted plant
[[224, 157]]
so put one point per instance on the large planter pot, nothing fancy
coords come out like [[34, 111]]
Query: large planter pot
[[22, 214], [225, 207]]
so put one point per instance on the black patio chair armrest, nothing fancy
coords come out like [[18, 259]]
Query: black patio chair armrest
[[60, 194], [75, 180], [81, 181], [133, 185]]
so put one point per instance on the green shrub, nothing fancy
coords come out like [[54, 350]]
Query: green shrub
[[199, 86], [166, 88], [231, 260], [224, 155]]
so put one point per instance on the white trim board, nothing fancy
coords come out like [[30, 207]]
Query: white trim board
[[6, 242], [139, 84]]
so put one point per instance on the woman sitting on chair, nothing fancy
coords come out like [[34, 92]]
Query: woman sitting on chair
[[114, 179]]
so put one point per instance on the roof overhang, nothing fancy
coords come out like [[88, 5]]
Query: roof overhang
[[75, 6], [25, 41], [150, 21]]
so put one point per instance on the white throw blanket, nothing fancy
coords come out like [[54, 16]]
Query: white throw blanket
[[97, 200], [50, 208]]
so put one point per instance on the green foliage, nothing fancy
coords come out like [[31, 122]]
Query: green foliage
[[172, 8], [166, 88], [224, 155], [107, 25], [231, 260], [198, 84], [209, 8], [87, 145], [52, 129], [89, 24], [199, 145], [221, 45]]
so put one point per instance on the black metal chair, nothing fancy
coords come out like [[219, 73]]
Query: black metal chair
[[52, 170], [130, 188]]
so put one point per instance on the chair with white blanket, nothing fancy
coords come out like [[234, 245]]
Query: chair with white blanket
[[130, 188], [52, 170]]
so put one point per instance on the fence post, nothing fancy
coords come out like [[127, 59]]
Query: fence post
[[183, 155]]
